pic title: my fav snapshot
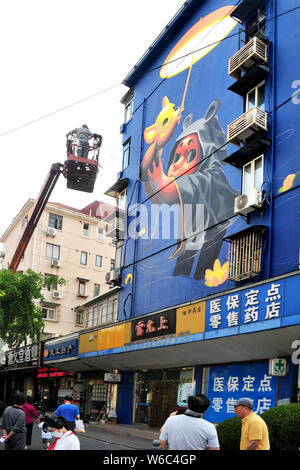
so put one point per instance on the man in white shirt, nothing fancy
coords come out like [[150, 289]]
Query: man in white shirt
[[189, 431]]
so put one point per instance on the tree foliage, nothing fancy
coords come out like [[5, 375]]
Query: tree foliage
[[20, 315]]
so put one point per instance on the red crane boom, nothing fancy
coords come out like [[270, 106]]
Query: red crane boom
[[35, 215]]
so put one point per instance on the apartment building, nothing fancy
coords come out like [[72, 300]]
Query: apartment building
[[72, 244]]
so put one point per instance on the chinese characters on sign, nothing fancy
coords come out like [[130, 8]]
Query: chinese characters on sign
[[61, 350], [228, 383], [245, 307], [23, 357], [154, 325]]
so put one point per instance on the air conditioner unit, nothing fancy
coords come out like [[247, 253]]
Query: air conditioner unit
[[56, 294], [56, 263], [248, 202], [2, 254], [112, 277], [51, 232]]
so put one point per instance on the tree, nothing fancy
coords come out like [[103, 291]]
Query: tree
[[20, 315]]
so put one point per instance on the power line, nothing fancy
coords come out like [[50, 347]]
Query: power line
[[105, 90], [283, 103]]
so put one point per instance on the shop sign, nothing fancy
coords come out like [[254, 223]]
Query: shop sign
[[110, 377], [246, 307], [228, 383], [45, 372], [278, 367], [62, 350], [27, 356], [159, 324]]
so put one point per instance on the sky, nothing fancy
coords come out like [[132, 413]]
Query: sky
[[63, 62]]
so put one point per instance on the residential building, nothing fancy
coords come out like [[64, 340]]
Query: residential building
[[70, 243]]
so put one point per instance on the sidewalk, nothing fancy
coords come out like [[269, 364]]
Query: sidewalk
[[139, 436]]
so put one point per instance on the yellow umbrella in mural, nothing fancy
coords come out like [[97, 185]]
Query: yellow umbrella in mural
[[199, 40]]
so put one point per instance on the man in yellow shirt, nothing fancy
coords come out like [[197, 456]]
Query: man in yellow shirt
[[255, 434]]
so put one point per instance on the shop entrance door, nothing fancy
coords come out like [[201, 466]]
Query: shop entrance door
[[164, 401], [159, 392]]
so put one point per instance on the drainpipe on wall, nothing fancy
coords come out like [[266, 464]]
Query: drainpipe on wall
[[273, 135]]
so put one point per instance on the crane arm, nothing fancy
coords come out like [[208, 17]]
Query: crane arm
[[38, 208]]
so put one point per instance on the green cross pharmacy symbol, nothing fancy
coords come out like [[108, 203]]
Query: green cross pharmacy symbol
[[279, 367]]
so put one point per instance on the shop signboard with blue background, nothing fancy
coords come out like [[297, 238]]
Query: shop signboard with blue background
[[63, 350], [227, 383], [263, 306]]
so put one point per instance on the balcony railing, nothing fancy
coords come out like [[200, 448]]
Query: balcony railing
[[245, 254], [254, 120], [254, 52]]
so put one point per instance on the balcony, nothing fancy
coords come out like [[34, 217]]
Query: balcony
[[246, 126], [253, 54]]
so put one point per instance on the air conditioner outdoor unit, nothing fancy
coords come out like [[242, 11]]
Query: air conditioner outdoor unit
[[248, 202], [112, 277], [51, 231], [56, 263], [56, 294]]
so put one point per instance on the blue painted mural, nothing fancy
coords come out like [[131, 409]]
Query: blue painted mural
[[181, 192]]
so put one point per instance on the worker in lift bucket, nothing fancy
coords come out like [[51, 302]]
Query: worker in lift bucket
[[82, 135]]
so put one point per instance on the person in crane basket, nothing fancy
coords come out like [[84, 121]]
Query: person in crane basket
[[83, 134]]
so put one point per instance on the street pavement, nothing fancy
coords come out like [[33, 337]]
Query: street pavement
[[105, 437]]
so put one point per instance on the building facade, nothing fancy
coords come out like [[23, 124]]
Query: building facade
[[207, 223], [210, 261], [71, 244]]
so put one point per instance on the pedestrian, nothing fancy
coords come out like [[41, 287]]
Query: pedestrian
[[82, 136], [30, 415], [65, 438], [189, 431], [13, 424], [68, 411], [254, 434], [46, 437]]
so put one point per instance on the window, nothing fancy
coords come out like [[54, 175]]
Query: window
[[127, 100], [253, 175], [100, 234], [245, 254], [128, 111], [53, 285], [48, 313], [102, 314], [119, 254], [81, 288], [79, 318], [85, 231], [52, 251], [257, 26], [55, 221], [96, 289], [83, 258], [121, 200], [98, 261], [126, 154], [256, 97]]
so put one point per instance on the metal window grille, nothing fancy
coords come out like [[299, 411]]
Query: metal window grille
[[245, 255]]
